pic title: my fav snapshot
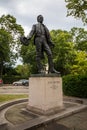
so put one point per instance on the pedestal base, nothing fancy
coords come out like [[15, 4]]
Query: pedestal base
[[45, 112], [45, 94]]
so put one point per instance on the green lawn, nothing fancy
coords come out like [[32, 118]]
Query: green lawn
[[9, 97]]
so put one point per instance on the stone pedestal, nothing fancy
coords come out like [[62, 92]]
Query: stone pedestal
[[45, 94]]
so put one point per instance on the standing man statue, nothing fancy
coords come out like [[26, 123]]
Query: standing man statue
[[42, 41]]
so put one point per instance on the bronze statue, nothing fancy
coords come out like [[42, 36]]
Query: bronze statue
[[43, 43]]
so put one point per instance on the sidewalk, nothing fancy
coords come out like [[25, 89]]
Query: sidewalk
[[76, 121], [73, 117]]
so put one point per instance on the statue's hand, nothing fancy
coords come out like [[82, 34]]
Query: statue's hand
[[24, 40]]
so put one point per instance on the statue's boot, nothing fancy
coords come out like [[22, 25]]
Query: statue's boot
[[51, 66], [54, 71]]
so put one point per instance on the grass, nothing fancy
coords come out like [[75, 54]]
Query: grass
[[9, 97]]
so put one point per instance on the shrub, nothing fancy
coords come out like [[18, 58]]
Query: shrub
[[75, 85], [11, 79]]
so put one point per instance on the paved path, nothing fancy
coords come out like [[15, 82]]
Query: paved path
[[21, 118], [76, 121]]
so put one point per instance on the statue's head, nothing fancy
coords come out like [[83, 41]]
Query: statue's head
[[40, 18]]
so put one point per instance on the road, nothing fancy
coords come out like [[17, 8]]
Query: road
[[14, 89]]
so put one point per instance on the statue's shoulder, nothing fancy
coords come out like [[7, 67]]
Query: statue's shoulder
[[34, 25]]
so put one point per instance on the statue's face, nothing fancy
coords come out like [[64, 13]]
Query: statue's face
[[40, 18]]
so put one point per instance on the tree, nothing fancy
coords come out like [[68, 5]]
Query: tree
[[77, 8], [64, 52], [28, 54], [9, 71], [79, 38], [5, 52], [23, 70], [80, 63], [10, 32], [70, 52]]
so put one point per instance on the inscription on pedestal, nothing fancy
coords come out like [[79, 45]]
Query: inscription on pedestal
[[54, 84]]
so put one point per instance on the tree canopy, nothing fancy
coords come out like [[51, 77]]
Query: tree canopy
[[64, 50], [79, 38], [28, 54], [10, 32], [77, 8]]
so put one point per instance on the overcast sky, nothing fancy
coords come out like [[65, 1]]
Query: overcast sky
[[26, 12]]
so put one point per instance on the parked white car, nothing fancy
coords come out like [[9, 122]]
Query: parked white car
[[24, 82]]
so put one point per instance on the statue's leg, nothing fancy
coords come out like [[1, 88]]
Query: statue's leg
[[38, 55], [50, 60], [49, 55]]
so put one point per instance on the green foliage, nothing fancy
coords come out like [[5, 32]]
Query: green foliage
[[9, 70], [10, 32], [80, 42], [79, 38], [77, 8], [23, 70], [28, 53], [70, 51], [75, 85], [5, 39], [8, 22], [80, 63], [63, 52]]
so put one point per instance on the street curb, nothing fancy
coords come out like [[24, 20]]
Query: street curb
[[13, 102]]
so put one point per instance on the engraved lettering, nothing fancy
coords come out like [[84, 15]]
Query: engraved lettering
[[53, 84]]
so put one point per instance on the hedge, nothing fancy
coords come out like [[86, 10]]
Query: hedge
[[11, 79], [75, 85]]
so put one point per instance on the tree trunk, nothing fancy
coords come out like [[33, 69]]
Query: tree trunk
[[1, 69]]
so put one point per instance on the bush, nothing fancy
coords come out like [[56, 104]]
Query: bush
[[75, 85], [11, 79]]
